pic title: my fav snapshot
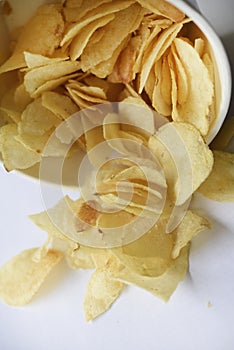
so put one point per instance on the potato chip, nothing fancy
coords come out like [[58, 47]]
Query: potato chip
[[156, 50], [81, 40], [182, 80], [36, 119], [163, 8], [21, 277], [103, 10], [123, 71], [75, 10], [21, 97], [124, 23], [60, 105], [189, 227], [150, 255], [219, 186], [158, 101], [82, 257], [35, 143], [42, 34], [165, 86], [163, 285], [187, 151], [102, 291], [37, 77], [196, 107], [15, 155], [105, 68], [34, 60]]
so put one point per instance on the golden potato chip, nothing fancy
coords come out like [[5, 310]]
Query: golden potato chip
[[21, 97], [75, 10], [182, 80], [123, 71], [165, 86], [199, 45], [60, 105], [224, 136], [163, 285], [184, 148], [196, 107], [219, 186], [189, 227], [21, 277], [124, 23], [37, 77], [103, 10], [36, 119], [15, 155], [35, 143], [81, 40], [42, 34], [163, 8], [102, 290], [158, 101], [156, 50], [82, 257], [34, 60], [150, 255]]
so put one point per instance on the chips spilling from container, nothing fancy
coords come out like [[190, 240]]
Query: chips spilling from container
[[142, 60]]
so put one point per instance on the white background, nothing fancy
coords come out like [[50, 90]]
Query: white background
[[137, 320]]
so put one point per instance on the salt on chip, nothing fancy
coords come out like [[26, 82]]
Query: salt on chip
[[21, 277], [219, 186], [102, 291]]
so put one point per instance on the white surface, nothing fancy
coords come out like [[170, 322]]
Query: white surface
[[137, 320]]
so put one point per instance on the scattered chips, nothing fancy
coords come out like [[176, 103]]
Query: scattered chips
[[134, 225]]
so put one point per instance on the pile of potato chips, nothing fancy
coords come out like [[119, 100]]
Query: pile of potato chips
[[72, 56]]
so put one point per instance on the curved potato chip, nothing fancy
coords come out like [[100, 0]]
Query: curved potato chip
[[21, 277], [189, 227], [163, 285], [15, 154], [219, 186], [201, 89], [102, 290]]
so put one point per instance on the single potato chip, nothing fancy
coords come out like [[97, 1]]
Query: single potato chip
[[163, 285], [102, 291], [21, 277], [219, 186]]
